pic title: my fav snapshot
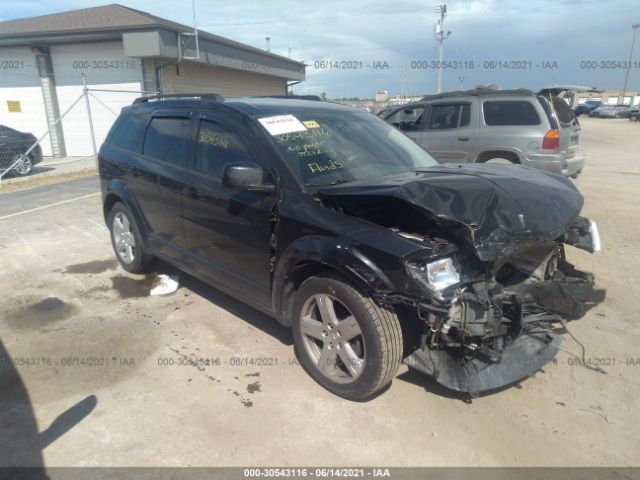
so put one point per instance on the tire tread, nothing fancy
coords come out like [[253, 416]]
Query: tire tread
[[388, 328]]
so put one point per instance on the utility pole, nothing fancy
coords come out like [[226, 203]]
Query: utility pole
[[195, 29], [440, 35], [402, 86], [290, 48], [635, 27], [182, 46], [268, 39]]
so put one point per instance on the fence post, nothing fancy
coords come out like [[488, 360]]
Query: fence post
[[93, 136]]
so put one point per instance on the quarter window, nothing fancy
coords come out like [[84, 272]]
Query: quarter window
[[217, 147], [168, 140], [510, 112]]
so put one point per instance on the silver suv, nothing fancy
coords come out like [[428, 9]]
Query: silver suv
[[495, 126]]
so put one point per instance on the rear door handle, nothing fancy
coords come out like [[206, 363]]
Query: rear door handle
[[191, 192], [463, 139]]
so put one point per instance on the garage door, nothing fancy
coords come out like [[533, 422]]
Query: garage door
[[194, 77], [21, 102], [106, 68]]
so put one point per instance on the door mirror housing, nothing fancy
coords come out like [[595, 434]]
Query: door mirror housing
[[246, 177]]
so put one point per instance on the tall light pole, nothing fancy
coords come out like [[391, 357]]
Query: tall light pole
[[461, 79], [290, 48], [440, 35], [626, 77], [268, 39]]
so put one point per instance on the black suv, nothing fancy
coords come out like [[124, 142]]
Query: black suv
[[341, 227]]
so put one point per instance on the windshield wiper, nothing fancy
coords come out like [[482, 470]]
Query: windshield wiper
[[335, 182]]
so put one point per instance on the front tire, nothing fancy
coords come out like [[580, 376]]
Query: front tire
[[127, 241], [345, 341]]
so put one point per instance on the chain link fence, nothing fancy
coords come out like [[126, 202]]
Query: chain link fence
[[78, 132]]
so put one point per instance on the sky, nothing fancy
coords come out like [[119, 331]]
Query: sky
[[392, 47]]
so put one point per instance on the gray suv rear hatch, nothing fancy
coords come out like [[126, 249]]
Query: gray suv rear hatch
[[561, 116]]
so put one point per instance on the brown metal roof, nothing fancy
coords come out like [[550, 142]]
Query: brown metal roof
[[107, 18], [97, 18]]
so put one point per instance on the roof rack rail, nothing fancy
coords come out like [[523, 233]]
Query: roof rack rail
[[214, 97], [292, 97]]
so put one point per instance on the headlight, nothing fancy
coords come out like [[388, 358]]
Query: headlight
[[436, 275]]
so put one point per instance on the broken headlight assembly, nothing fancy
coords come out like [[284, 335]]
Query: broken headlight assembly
[[583, 234], [436, 276]]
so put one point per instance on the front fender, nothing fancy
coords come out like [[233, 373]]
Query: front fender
[[335, 254]]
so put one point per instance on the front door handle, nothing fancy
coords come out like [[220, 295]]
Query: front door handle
[[135, 172], [463, 139]]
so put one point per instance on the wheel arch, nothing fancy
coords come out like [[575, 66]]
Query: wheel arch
[[118, 193], [498, 153], [312, 256]]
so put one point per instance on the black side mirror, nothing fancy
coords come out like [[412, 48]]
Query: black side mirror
[[246, 177]]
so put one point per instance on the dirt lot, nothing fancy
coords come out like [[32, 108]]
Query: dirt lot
[[65, 299]]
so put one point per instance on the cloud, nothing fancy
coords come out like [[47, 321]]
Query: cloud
[[400, 33]]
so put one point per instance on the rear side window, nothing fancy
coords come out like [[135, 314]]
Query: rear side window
[[168, 140], [128, 132], [510, 112], [444, 116], [217, 147]]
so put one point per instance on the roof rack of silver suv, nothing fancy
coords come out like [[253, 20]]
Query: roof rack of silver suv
[[214, 97], [292, 97]]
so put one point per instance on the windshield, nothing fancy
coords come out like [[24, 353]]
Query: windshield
[[338, 147]]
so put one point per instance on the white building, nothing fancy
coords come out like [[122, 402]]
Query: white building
[[42, 60]]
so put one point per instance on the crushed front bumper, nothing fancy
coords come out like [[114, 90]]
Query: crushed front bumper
[[521, 359], [534, 343]]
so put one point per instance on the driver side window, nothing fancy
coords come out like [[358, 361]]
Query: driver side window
[[216, 148], [407, 119]]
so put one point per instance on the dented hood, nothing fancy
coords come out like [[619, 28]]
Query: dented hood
[[502, 209]]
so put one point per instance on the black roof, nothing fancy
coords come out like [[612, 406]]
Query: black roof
[[281, 106], [254, 106]]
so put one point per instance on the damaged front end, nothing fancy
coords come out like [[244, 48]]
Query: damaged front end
[[490, 282], [499, 327]]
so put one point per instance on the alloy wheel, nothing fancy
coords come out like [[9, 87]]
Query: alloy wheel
[[123, 238], [332, 338], [24, 166]]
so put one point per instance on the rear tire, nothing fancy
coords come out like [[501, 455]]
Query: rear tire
[[25, 167], [498, 158], [500, 161], [344, 340], [127, 241]]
